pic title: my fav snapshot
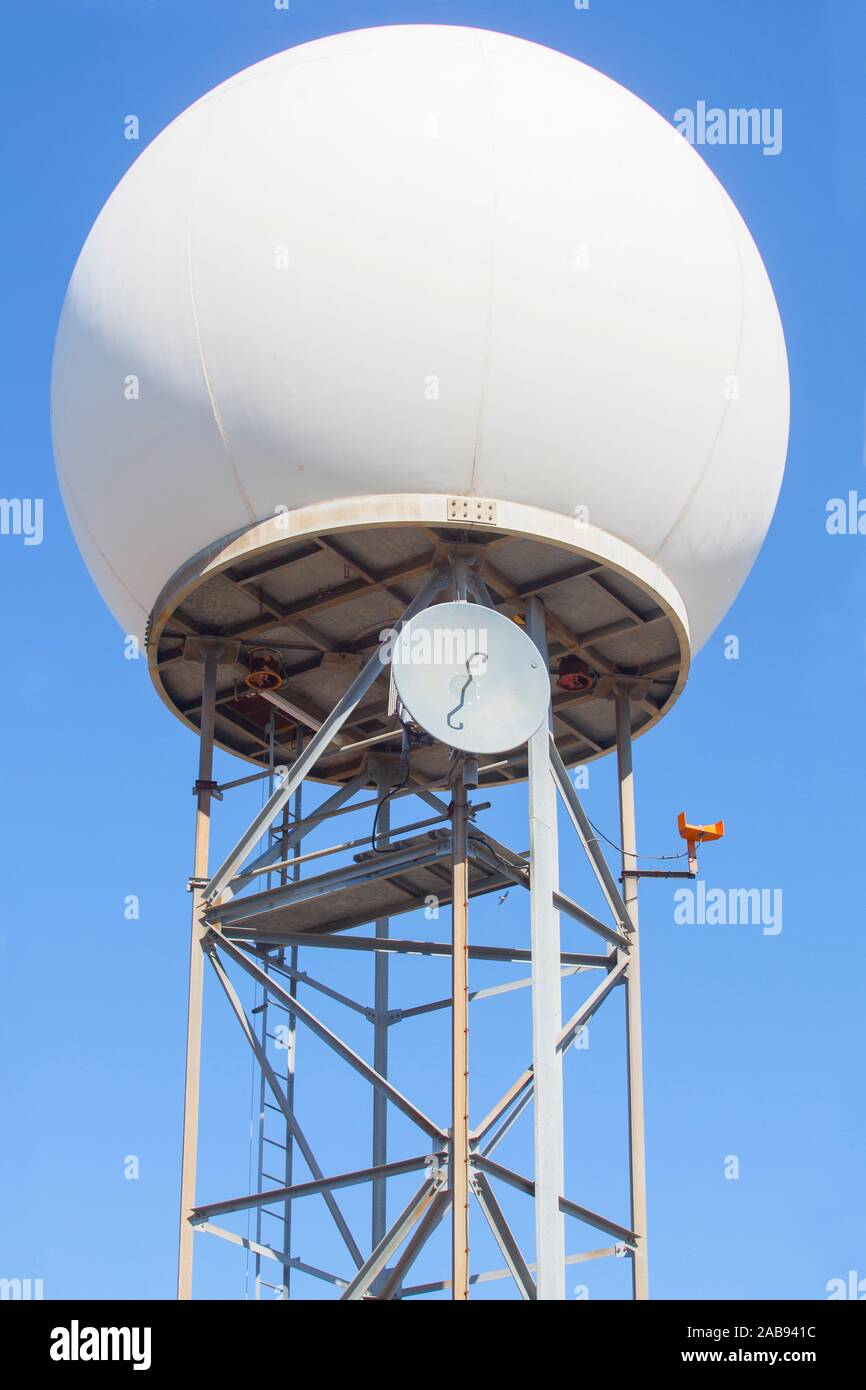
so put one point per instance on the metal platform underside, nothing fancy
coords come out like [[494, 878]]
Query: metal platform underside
[[323, 602], [377, 884]]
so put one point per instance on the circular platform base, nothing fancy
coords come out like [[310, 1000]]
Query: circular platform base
[[321, 585]]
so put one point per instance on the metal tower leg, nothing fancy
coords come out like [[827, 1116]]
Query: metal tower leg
[[292, 1049], [256, 932], [628, 840], [380, 1031], [546, 1002], [196, 975], [263, 1011], [459, 1164]]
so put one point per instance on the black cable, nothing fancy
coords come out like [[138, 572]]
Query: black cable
[[630, 854], [512, 868], [398, 787]]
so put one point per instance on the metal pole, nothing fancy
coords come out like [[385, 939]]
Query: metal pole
[[196, 976], [637, 1155], [459, 1165], [291, 1051], [546, 1001], [263, 1039], [380, 1029]]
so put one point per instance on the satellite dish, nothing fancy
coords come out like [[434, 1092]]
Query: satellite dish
[[471, 678]]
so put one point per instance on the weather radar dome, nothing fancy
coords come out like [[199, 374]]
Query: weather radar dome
[[403, 289]]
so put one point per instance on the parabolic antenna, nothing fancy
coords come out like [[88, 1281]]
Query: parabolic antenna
[[471, 678]]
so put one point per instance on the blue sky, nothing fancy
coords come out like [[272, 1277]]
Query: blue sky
[[753, 1042]]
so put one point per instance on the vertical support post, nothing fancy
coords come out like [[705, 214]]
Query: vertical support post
[[546, 1001], [380, 1030], [628, 840], [204, 787], [459, 1164], [264, 1011], [291, 1050]]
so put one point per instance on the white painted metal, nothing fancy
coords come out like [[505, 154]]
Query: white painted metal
[[364, 517], [471, 677], [416, 259], [195, 998], [634, 1035], [385, 779], [546, 1003]]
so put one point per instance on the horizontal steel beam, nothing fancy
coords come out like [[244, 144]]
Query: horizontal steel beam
[[343, 847], [309, 1189], [346, 876], [489, 1276], [490, 993], [407, 947]]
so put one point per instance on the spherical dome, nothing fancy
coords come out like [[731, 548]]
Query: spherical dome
[[410, 260]]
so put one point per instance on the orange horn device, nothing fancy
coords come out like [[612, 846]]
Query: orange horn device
[[695, 835]]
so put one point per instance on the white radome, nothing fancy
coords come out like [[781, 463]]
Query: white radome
[[420, 259]]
